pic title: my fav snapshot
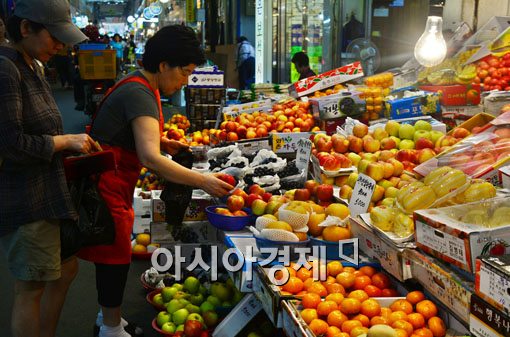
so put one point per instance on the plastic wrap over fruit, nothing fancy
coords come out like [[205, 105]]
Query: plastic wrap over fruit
[[268, 183], [478, 190], [403, 225], [453, 180], [415, 196], [295, 213], [489, 213], [383, 217]]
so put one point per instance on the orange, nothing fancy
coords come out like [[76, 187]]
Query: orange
[[416, 320], [404, 325], [317, 288], [324, 308], [363, 319], [381, 280], [318, 326], [358, 273], [397, 315], [309, 315], [335, 288], [336, 233], [308, 282], [335, 297], [143, 239], [303, 274], [437, 326], [373, 291], [356, 331], [334, 268], [402, 305], [310, 300], [386, 312], [301, 293], [348, 325], [293, 285], [361, 295], [333, 331], [350, 306], [349, 269], [423, 332], [401, 333], [370, 308], [361, 282], [329, 280], [139, 249], [346, 279], [379, 320], [389, 293], [336, 318], [415, 296], [280, 274], [427, 308], [368, 270]]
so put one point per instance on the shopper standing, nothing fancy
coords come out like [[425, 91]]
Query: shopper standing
[[118, 46], [33, 189], [130, 123], [302, 64], [245, 63]]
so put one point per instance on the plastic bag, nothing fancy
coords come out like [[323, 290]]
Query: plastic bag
[[295, 181], [262, 156], [220, 152], [269, 183]]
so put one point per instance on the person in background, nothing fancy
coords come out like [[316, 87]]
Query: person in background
[[245, 63], [33, 190], [64, 65], [118, 45], [130, 123], [3, 39], [302, 64]]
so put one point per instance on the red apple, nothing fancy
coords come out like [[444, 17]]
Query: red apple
[[240, 213], [193, 328], [388, 144], [266, 196], [370, 144], [340, 143], [375, 171], [446, 141], [223, 211], [343, 160], [240, 193], [324, 192], [406, 155], [424, 143], [322, 156], [241, 131], [311, 186], [256, 189], [251, 198], [230, 126], [235, 203], [302, 194], [355, 144], [459, 132], [324, 145], [482, 158], [425, 154], [386, 155], [331, 164], [227, 178]]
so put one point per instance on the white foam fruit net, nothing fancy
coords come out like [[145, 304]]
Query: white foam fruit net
[[278, 235], [296, 220], [262, 222]]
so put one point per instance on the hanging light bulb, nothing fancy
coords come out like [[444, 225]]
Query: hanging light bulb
[[430, 50], [163, 1], [130, 19]]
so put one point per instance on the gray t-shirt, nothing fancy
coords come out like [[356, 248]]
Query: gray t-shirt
[[112, 125]]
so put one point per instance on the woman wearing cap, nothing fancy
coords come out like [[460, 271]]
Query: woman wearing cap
[[33, 189], [130, 122]]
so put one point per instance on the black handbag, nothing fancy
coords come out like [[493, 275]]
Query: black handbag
[[95, 225]]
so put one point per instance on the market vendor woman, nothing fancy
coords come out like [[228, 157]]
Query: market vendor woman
[[130, 123]]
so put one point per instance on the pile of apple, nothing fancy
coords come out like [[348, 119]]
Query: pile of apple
[[294, 116], [191, 308], [149, 181]]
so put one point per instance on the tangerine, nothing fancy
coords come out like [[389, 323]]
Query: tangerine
[[415, 296], [335, 297], [318, 288], [427, 308], [386, 312], [301, 293], [361, 282], [423, 332], [437, 326], [350, 306], [143, 239], [379, 320], [318, 326], [333, 331], [138, 249], [348, 325], [308, 282], [309, 315], [356, 331], [336, 233], [373, 291], [334, 268], [363, 319], [370, 308], [416, 320], [401, 333], [381, 280], [324, 308], [293, 285], [388, 292], [310, 300], [346, 279], [359, 273], [349, 269], [329, 280], [402, 305], [361, 295], [397, 315], [368, 270], [336, 318], [303, 274], [404, 325], [335, 288]]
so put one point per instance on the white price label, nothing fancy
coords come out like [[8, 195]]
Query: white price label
[[304, 149], [495, 286], [361, 195]]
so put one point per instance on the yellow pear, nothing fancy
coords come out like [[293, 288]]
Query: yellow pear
[[270, 216], [279, 225], [339, 210]]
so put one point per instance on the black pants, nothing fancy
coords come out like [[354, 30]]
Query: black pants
[[110, 283], [247, 73]]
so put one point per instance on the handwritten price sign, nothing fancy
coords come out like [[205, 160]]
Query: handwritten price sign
[[361, 195], [304, 149]]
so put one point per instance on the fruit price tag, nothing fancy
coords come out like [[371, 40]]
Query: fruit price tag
[[361, 195], [304, 148], [231, 115]]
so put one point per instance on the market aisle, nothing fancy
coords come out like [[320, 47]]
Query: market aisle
[[80, 309]]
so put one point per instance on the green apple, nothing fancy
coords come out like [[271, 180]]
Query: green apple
[[213, 300], [180, 316], [406, 131], [226, 304], [169, 327], [174, 305], [392, 128], [196, 299], [162, 318], [180, 327], [396, 139], [180, 294], [208, 306], [168, 293], [210, 318], [203, 290], [195, 317], [158, 300], [222, 291], [194, 309], [178, 286], [422, 125], [421, 134], [435, 135], [184, 301], [191, 285], [406, 144]]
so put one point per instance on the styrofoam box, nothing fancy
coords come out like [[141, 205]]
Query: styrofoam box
[[141, 206]]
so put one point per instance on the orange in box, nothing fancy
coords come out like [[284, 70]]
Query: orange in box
[[457, 94]]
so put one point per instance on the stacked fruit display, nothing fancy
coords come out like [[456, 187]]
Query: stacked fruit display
[[493, 73], [450, 71], [142, 244], [330, 91], [149, 181], [191, 308], [176, 128], [377, 88]]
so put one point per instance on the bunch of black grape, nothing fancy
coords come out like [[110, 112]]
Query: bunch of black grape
[[239, 165], [217, 162], [289, 170], [290, 184], [263, 171], [248, 179], [268, 160], [184, 234]]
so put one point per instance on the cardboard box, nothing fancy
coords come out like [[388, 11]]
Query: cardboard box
[[457, 94], [325, 80], [487, 321], [237, 319], [436, 125], [493, 281], [375, 247], [453, 241], [504, 177], [339, 105], [141, 202], [142, 224], [450, 288], [157, 206], [232, 111], [407, 107]]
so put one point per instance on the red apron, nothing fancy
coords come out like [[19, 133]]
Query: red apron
[[117, 188]]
